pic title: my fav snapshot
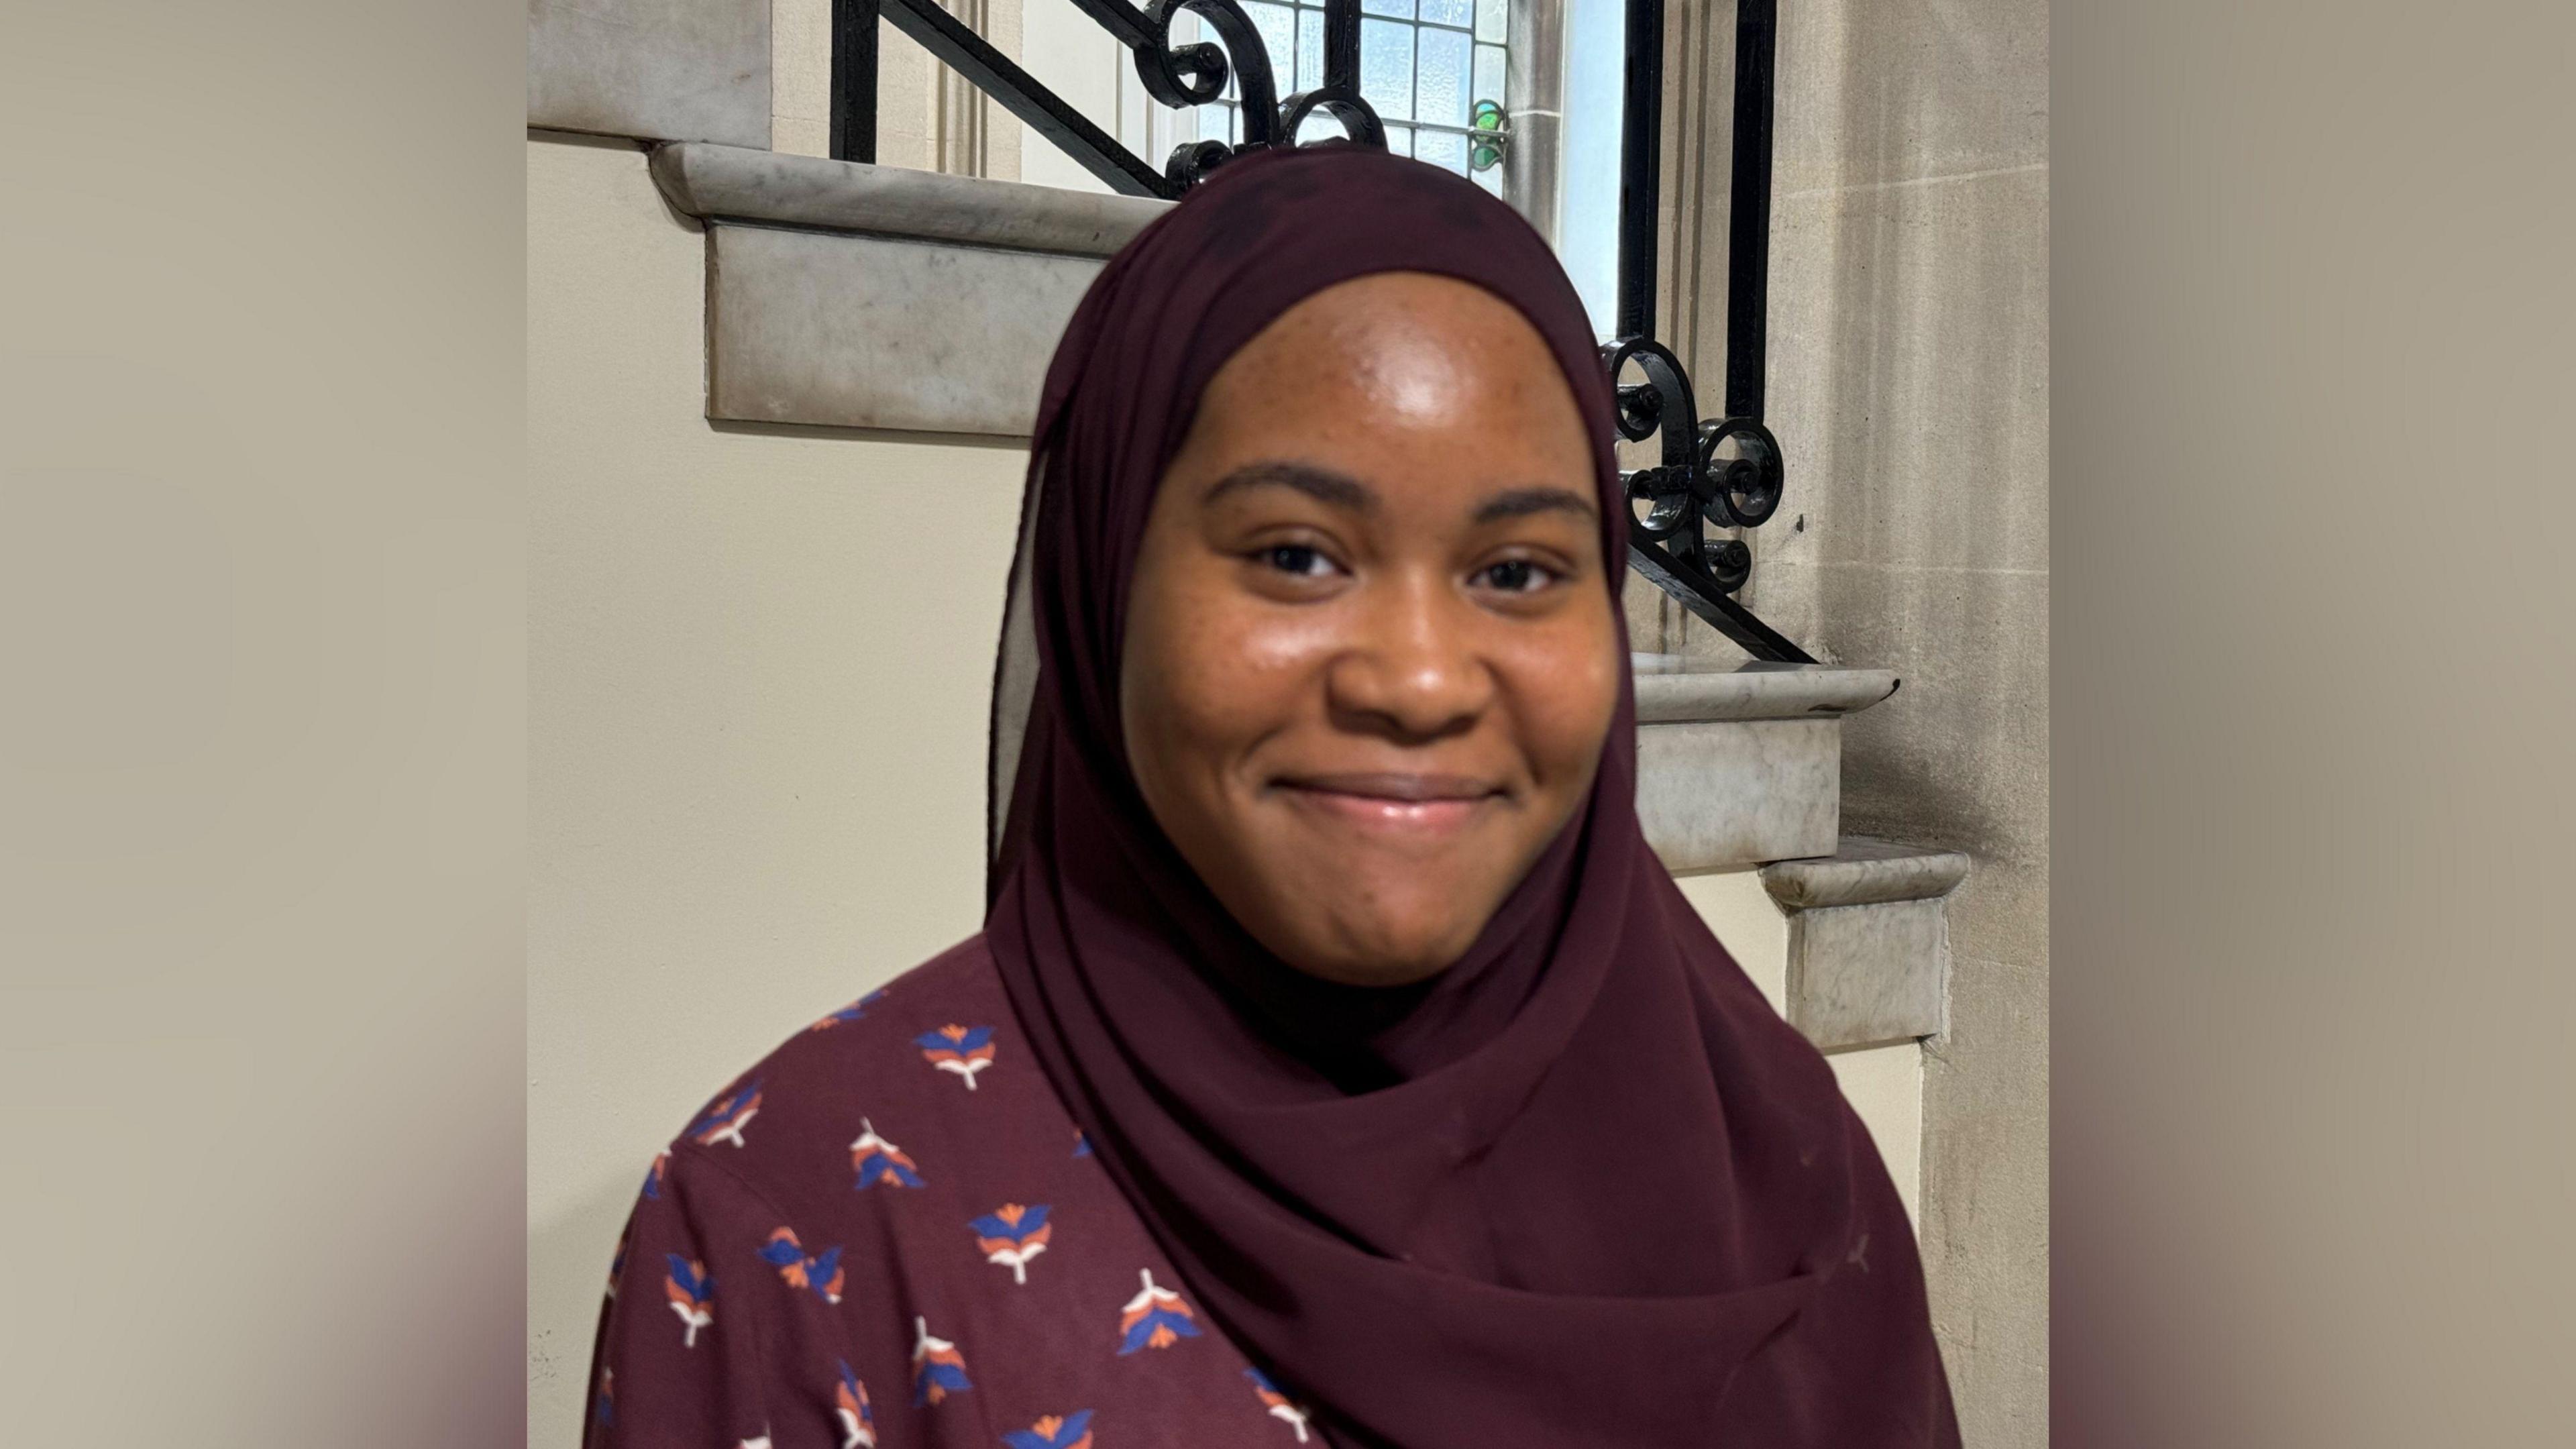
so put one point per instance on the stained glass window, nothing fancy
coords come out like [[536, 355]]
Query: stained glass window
[[1426, 66]]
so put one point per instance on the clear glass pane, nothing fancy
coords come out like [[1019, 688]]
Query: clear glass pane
[[1440, 77], [1442, 148], [1489, 75], [1399, 139], [1310, 49], [1400, 9], [1460, 13], [1278, 27], [1490, 180], [1211, 121], [1489, 20], [1386, 68]]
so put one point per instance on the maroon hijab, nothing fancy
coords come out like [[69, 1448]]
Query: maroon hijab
[[1583, 1188]]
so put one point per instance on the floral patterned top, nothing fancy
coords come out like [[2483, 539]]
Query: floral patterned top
[[890, 1233]]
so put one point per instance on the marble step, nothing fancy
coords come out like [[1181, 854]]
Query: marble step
[[846, 295], [1869, 947], [1742, 765]]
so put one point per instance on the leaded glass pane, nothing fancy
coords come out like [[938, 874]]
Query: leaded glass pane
[[1213, 121], [1490, 180], [1442, 148], [1400, 9], [1461, 13], [1386, 68], [1399, 139], [1489, 75], [1310, 49], [1440, 77], [1489, 20], [1278, 27]]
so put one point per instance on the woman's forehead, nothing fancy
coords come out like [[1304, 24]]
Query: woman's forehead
[[1395, 347], [1383, 304]]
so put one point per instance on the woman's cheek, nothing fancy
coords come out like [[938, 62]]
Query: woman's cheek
[[1226, 680], [1266, 655], [1565, 697]]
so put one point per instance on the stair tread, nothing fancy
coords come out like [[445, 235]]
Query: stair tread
[[1865, 871], [1755, 691], [735, 183]]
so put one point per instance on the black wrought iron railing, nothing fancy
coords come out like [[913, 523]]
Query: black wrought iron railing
[[1721, 473]]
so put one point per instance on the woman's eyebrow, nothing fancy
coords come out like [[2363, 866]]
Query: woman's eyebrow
[[1340, 490], [1522, 502]]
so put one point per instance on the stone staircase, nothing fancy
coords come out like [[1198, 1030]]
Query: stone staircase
[[1740, 769], [847, 295]]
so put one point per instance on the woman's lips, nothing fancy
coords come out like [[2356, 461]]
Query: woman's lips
[[1410, 804]]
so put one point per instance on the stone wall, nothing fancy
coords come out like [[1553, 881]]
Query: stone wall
[[1909, 389]]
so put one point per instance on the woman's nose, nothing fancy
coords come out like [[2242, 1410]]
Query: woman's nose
[[1412, 671]]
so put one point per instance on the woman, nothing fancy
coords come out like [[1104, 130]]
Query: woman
[[1336, 1063]]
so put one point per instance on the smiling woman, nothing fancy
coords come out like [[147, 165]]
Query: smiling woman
[[1336, 1060]]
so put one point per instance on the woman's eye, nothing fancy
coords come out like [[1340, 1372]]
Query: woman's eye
[[1517, 576], [1297, 558]]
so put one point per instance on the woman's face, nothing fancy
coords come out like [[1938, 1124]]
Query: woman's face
[[1370, 655]]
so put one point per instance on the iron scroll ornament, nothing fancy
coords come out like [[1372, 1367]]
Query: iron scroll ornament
[[1193, 75], [1725, 473]]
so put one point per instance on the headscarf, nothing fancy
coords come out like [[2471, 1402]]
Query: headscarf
[[1583, 1187]]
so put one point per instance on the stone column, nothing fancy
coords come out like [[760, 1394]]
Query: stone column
[[1534, 82], [1908, 384]]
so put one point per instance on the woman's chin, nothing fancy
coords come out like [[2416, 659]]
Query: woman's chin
[[1383, 952]]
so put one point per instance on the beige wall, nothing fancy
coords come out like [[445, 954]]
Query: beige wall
[[758, 664]]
